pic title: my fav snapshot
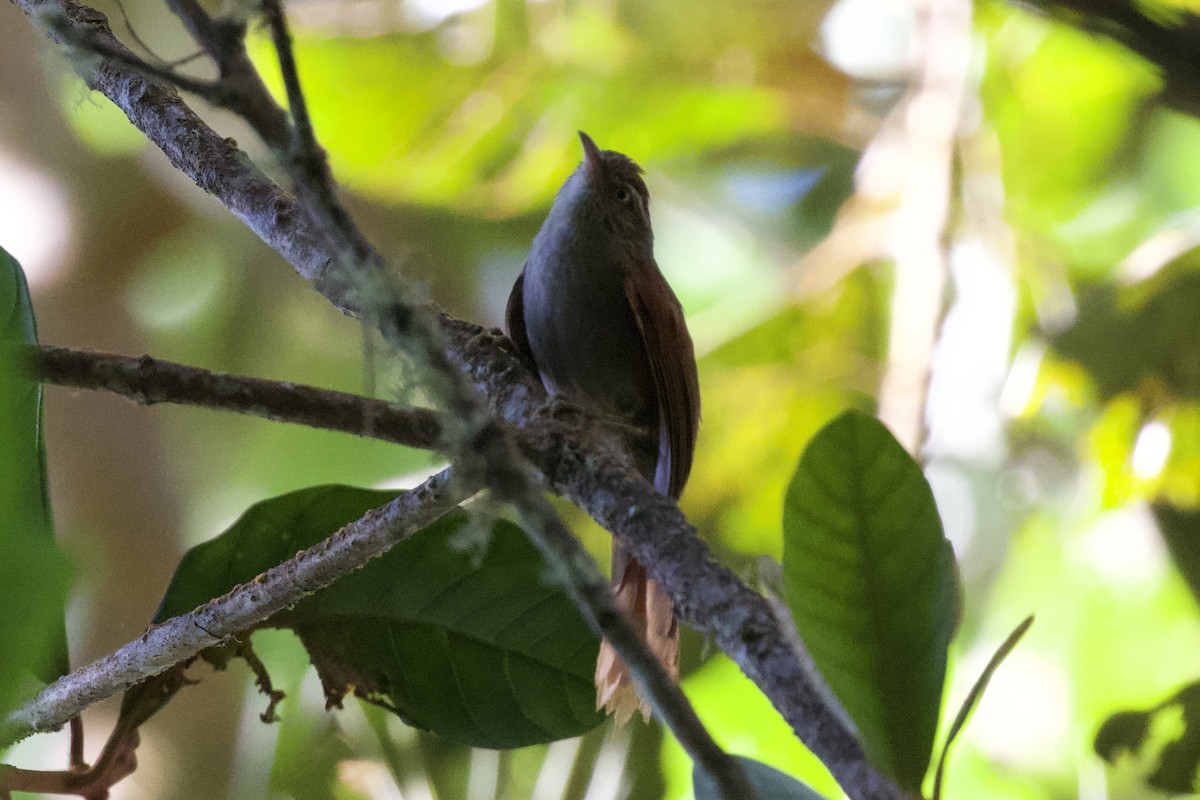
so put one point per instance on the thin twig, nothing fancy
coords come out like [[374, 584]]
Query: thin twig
[[305, 147], [148, 381], [87, 40], [224, 41], [137, 39]]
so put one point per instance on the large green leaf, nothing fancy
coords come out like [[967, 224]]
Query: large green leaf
[[770, 783], [458, 632], [33, 573], [870, 579]]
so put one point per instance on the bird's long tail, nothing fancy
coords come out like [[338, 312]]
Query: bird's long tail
[[649, 609]]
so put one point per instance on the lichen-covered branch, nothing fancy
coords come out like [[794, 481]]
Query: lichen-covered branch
[[582, 465]]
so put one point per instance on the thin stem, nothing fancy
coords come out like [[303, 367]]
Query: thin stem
[[76, 755], [584, 764], [306, 140], [212, 91]]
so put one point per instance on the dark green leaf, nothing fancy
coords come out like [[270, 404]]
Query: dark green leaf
[[1127, 336], [1180, 528], [267, 534], [1178, 758], [33, 573], [973, 696], [464, 639], [870, 579], [770, 783]]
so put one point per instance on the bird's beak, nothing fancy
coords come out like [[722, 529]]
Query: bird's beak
[[591, 155]]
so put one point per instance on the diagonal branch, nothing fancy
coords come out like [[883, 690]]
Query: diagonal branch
[[148, 381], [180, 638], [483, 448], [594, 474]]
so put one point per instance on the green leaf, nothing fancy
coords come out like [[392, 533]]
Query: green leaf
[[1178, 755], [1144, 334], [1180, 529], [770, 783], [973, 696], [268, 533], [460, 636], [869, 577], [33, 572]]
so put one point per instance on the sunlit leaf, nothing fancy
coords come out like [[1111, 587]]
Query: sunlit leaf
[[33, 573], [870, 580], [430, 118], [769, 783], [1064, 107], [461, 637]]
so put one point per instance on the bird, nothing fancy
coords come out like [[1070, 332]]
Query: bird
[[594, 318]]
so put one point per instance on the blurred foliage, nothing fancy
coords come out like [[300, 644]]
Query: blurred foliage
[[1180, 529], [1178, 758], [470, 114], [1142, 337], [451, 127]]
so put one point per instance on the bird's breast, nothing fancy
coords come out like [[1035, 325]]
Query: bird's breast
[[582, 331]]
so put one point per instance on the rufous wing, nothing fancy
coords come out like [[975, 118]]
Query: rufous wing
[[673, 367], [646, 604]]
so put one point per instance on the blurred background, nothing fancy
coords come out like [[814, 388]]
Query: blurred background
[[976, 219]]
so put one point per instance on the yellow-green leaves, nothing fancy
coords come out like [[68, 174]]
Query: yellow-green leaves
[[870, 580]]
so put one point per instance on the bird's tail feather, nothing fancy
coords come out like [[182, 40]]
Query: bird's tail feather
[[649, 609]]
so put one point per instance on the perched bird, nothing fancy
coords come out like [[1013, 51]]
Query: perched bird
[[592, 314]]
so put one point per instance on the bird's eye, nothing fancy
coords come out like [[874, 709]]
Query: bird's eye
[[622, 194]]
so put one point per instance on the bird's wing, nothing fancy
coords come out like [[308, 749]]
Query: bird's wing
[[673, 367], [514, 323]]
